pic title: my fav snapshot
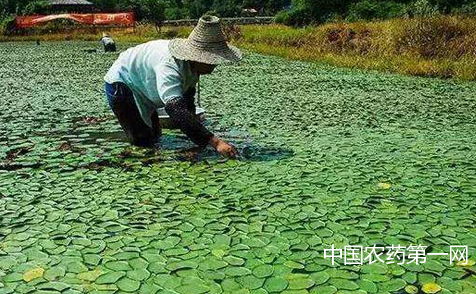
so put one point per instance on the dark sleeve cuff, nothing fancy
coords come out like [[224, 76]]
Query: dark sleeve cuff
[[187, 122]]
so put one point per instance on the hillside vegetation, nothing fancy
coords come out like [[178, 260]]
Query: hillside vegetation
[[289, 12]]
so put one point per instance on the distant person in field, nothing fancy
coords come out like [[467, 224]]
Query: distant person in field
[[108, 43], [164, 73]]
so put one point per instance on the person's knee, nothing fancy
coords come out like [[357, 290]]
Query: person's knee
[[143, 142], [144, 139]]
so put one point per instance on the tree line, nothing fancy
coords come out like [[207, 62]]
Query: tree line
[[291, 12], [305, 12]]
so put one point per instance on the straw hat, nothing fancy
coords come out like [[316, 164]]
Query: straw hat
[[205, 44]]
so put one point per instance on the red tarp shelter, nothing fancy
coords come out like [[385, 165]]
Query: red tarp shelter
[[123, 19]]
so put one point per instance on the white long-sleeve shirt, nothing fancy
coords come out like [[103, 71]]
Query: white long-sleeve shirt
[[153, 75]]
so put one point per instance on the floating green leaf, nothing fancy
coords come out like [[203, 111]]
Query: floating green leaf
[[275, 284], [110, 278], [431, 288], [33, 274], [263, 271], [410, 289], [128, 285]]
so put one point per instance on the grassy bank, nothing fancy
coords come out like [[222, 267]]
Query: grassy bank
[[437, 47], [443, 46]]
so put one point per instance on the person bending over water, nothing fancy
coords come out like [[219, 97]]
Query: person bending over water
[[164, 73]]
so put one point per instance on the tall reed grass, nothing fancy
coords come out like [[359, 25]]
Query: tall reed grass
[[440, 46]]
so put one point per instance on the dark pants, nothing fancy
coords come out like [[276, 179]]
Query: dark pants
[[122, 103]]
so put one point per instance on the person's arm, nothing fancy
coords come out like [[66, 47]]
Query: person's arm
[[178, 106], [186, 121]]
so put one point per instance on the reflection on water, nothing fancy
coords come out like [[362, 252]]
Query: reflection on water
[[248, 152], [174, 146], [185, 150], [171, 146]]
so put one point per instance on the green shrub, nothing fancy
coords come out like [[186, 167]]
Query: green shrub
[[422, 8], [297, 17], [36, 7], [150, 10], [175, 13], [282, 17], [373, 9], [305, 12], [467, 9], [7, 24]]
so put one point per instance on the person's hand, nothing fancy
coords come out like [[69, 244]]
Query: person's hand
[[223, 147]]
